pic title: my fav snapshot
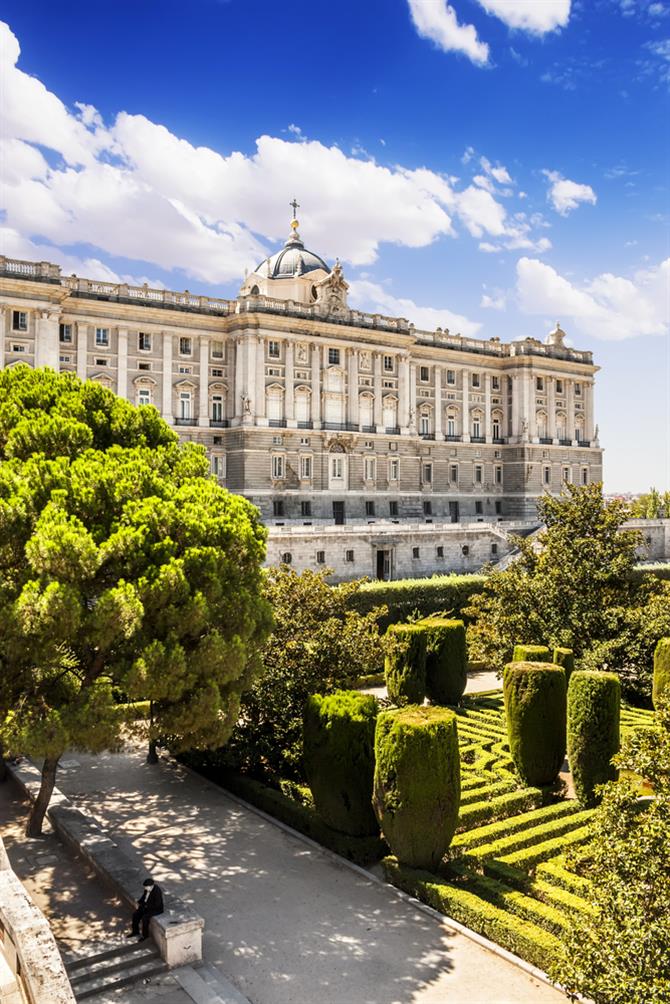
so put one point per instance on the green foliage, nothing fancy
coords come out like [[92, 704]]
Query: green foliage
[[661, 685], [122, 565], [446, 660], [575, 587], [319, 645], [405, 597], [339, 736], [618, 953], [417, 782], [501, 807], [535, 708], [405, 663], [594, 700], [651, 505], [564, 657], [531, 653]]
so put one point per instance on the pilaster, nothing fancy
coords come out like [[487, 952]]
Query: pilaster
[[487, 407], [260, 382], [465, 378], [570, 410], [289, 387], [352, 388], [403, 395], [412, 400], [551, 408], [378, 409], [46, 339], [82, 350], [316, 387], [203, 382], [167, 377], [122, 362], [437, 424]]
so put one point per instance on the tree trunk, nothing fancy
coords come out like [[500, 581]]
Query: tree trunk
[[152, 755], [41, 803]]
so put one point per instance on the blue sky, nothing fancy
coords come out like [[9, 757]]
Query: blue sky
[[488, 166]]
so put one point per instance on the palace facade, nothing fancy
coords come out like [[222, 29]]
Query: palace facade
[[316, 412]]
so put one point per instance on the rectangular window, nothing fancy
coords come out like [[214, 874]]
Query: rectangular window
[[369, 468], [336, 468], [102, 362], [451, 376], [439, 551], [19, 320], [369, 508], [305, 508], [65, 332], [277, 507], [547, 475], [559, 386], [478, 474], [476, 380], [185, 369], [498, 507], [427, 474], [305, 467], [217, 408], [277, 466], [65, 359], [22, 348], [216, 372], [539, 383], [428, 508], [424, 374], [334, 357], [273, 350], [143, 396], [394, 466], [393, 508], [415, 552], [185, 404], [566, 475], [494, 548], [321, 557], [144, 341], [304, 440], [479, 508], [498, 474], [144, 366], [453, 473], [102, 337], [424, 425], [585, 476], [185, 346], [578, 390], [348, 555], [495, 383], [218, 465], [388, 364], [217, 350]]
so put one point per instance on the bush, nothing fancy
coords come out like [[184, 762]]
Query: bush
[[339, 736], [405, 663], [594, 700], [446, 660], [417, 782], [535, 709], [661, 683], [426, 596], [531, 653], [565, 657]]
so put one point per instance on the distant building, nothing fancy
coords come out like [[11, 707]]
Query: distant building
[[316, 412]]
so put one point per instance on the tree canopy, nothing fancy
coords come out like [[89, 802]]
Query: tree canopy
[[124, 568]]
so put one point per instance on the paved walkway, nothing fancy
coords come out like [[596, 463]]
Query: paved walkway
[[285, 923], [478, 683]]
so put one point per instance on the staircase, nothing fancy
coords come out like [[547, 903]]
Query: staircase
[[119, 966]]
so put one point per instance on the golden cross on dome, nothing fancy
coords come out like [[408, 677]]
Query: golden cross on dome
[[295, 205]]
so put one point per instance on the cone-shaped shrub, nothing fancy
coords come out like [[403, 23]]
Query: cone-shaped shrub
[[594, 700], [565, 657], [661, 685], [531, 653], [446, 659], [535, 708], [417, 789], [339, 736], [405, 663]]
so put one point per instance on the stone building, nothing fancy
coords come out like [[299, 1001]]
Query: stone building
[[317, 412]]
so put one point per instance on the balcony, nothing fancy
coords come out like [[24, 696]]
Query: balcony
[[565, 442], [368, 428], [277, 423], [499, 439], [341, 426], [583, 442], [186, 421], [219, 423], [305, 425], [392, 430], [453, 439], [427, 435], [477, 439], [546, 440]]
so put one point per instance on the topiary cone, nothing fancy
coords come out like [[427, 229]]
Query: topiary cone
[[446, 660], [417, 786], [594, 701], [661, 684], [339, 734], [405, 663], [535, 709]]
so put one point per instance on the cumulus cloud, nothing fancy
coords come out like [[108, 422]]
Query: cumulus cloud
[[537, 17], [566, 195], [367, 295], [495, 301], [436, 20], [608, 307]]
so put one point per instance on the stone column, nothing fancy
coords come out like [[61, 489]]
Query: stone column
[[82, 350], [46, 339], [487, 407], [551, 409], [203, 382], [570, 410], [289, 387], [240, 381], [167, 377], [403, 395], [316, 387], [530, 405], [260, 382], [4, 320], [352, 389], [412, 401], [249, 404], [516, 418], [122, 362], [378, 409], [465, 378], [588, 412], [438, 403]]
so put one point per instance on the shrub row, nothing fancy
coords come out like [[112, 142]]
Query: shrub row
[[426, 657], [444, 593], [546, 915], [531, 837], [527, 820], [501, 807], [528, 857]]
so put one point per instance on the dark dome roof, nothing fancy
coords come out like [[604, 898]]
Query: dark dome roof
[[293, 257]]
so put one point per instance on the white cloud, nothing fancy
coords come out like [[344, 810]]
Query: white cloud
[[366, 295], [497, 301], [565, 195], [436, 20], [534, 16], [608, 307]]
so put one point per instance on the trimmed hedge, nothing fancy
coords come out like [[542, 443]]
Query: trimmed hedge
[[528, 857], [417, 782], [594, 700], [531, 653], [502, 807], [565, 657], [522, 937], [505, 827], [405, 663], [661, 684], [338, 737], [532, 837], [403, 597], [535, 709], [446, 660]]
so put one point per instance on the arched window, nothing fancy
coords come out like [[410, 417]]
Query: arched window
[[477, 425], [302, 404], [390, 412], [255, 291], [217, 407], [275, 403], [452, 422], [366, 410], [560, 425], [424, 422], [496, 425], [541, 420], [579, 428]]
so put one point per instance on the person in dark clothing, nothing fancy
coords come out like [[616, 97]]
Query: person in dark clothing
[[149, 905]]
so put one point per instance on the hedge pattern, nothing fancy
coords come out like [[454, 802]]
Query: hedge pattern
[[446, 660], [661, 684], [405, 663], [339, 735], [594, 700], [417, 782], [535, 709]]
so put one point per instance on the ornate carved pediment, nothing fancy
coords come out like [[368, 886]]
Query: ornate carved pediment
[[331, 292]]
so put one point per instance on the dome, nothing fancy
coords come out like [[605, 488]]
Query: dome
[[294, 258]]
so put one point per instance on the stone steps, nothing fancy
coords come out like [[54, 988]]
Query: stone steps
[[118, 966]]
